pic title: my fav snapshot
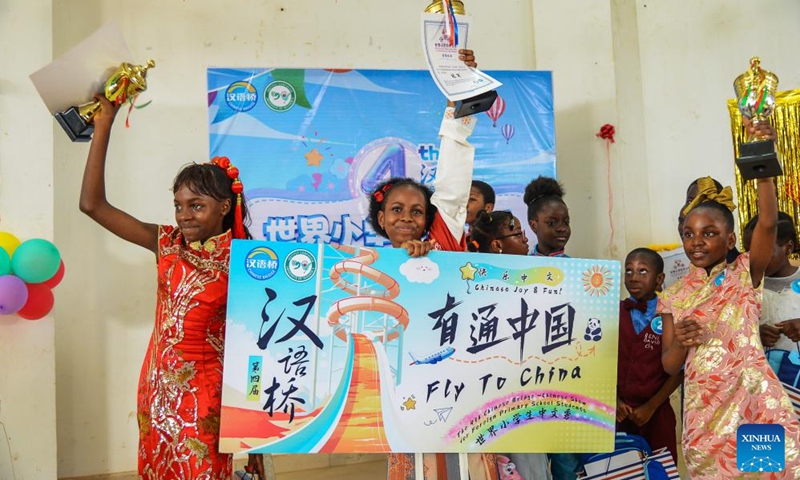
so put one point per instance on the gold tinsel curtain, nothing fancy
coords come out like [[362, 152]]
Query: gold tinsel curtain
[[786, 120]]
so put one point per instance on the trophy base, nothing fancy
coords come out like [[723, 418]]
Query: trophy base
[[72, 123], [758, 160], [477, 104]]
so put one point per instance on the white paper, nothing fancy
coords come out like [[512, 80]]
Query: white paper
[[75, 77], [676, 265], [455, 80]]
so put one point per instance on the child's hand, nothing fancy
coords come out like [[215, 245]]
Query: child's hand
[[762, 130], [623, 410], [688, 332], [769, 335], [468, 57], [642, 414], [108, 111], [790, 328], [417, 248]]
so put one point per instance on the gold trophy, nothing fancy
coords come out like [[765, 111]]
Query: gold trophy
[[755, 92], [126, 82], [437, 6], [479, 103]]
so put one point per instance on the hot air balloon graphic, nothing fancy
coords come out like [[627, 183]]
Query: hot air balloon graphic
[[508, 132], [497, 110]]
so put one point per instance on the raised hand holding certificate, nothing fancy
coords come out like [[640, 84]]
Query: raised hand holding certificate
[[471, 88]]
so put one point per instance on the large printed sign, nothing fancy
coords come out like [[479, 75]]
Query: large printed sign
[[311, 144], [354, 349]]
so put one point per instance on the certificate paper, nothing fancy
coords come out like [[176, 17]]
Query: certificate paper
[[76, 76], [456, 80]]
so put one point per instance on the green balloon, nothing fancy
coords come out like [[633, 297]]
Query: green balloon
[[35, 261], [5, 263]]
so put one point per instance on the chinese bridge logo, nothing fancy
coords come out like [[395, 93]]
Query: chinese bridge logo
[[261, 263], [241, 96], [300, 265]]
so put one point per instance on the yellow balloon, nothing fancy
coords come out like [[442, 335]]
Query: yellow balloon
[[9, 242]]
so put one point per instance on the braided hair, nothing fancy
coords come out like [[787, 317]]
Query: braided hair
[[377, 201], [487, 227], [212, 181]]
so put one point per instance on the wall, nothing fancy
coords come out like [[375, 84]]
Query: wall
[[691, 52], [27, 354], [659, 71]]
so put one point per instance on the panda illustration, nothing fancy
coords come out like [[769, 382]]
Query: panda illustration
[[593, 331]]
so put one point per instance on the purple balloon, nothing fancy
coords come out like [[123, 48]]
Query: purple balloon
[[13, 294]]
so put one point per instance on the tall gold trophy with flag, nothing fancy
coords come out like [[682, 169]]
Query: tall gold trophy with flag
[[755, 93]]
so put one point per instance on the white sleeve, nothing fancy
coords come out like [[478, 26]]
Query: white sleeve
[[454, 171]]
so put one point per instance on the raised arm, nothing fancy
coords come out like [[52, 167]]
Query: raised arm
[[766, 230], [454, 171], [454, 168], [93, 189]]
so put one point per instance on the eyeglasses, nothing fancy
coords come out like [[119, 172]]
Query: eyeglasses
[[515, 234]]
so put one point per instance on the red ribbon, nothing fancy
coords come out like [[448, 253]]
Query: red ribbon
[[606, 132]]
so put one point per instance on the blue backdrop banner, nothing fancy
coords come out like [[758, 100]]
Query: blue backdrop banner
[[310, 144]]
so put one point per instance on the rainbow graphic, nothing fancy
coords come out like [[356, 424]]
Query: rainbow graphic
[[520, 409]]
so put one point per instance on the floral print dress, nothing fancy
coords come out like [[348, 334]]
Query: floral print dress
[[728, 381]]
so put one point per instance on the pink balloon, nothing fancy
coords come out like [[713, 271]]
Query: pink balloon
[[13, 294], [40, 302], [55, 279]]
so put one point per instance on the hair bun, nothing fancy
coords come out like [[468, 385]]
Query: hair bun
[[542, 187]]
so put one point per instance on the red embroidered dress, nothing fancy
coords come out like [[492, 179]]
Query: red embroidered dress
[[180, 386]]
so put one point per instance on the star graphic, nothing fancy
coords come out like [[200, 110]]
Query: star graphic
[[468, 271], [313, 157], [410, 404]]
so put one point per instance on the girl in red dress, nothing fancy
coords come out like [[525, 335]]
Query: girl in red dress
[[180, 385]]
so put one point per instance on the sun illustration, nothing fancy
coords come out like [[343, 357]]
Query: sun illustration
[[597, 281]]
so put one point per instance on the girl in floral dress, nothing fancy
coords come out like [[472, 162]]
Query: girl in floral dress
[[710, 320]]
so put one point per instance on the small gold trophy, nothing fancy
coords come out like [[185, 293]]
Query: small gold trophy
[[755, 92], [478, 103], [126, 82]]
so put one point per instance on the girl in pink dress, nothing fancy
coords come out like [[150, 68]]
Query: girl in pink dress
[[710, 320]]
